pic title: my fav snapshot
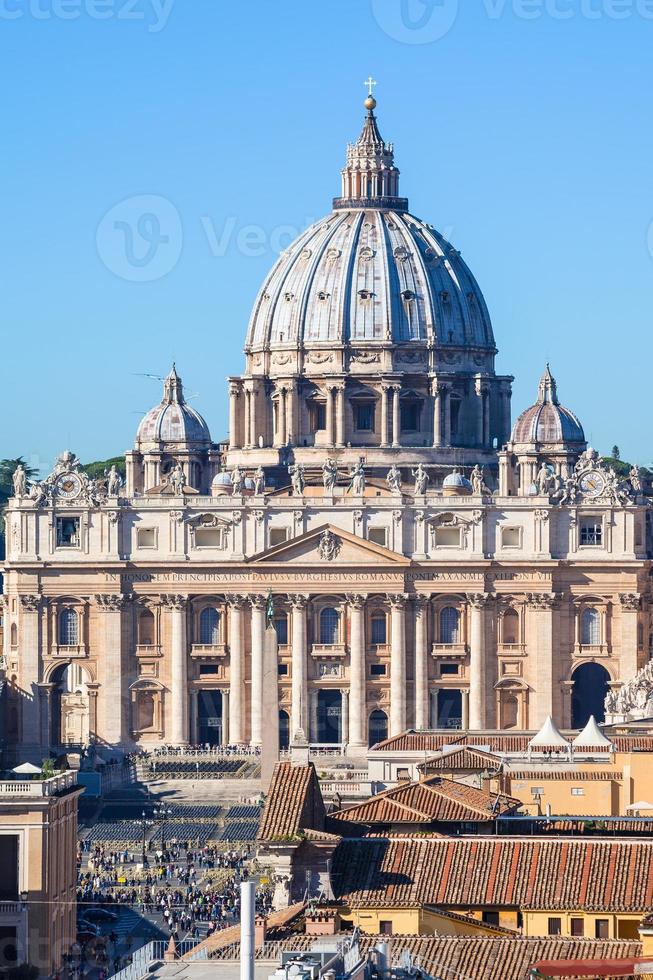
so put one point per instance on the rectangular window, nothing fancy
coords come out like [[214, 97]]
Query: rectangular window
[[67, 532], [577, 926], [591, 532], [490, 918], [379, 631], [207, 669], [577, 791], [555, 926], [281, 626], [447, 537], [385, 927], [511, 537], [146, 537], [209, 537], [282, 670], [403, 773], [318, 416], [449, 669], [278, 535], [378, 535], [377, 670], [602, 929], [364, 416], [410, 417], [537, 791]]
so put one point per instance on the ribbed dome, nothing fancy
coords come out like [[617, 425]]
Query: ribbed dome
[[173, 420], [547, 421], [370, 275], [456, 480], [370, 271]]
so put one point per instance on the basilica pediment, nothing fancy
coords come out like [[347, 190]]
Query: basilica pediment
[[330, 545]]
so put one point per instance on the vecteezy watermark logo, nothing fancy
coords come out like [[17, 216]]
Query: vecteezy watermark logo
[[140, 239], [155, 13], [415, 21]]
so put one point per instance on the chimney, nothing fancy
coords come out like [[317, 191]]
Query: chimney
[[260, 931], [170, 954], [247, 910], [322, 922]]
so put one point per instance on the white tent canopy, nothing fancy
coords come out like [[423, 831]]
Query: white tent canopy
[[548, 736], [640, 805], [27, 769], [591, 737]]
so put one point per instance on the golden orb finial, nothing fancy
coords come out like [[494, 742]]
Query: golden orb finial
[[370, 103]]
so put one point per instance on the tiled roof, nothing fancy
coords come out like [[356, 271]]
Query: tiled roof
[[467, 956], [575, 776], [564, 873], [294, 802], [494, 741], [464, 759], [225, 938], [431, 800]]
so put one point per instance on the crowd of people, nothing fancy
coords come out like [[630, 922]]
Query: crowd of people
[[204, 750]]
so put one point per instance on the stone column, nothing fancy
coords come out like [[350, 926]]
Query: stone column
[[357, 677], [446, 411], [111, 668], [281, 417], [344, 718], [397, 663], [253, 417], [226, 719], [178, 724], [234, 392], [299, 687], [629, 641], [464, 697], [437, 416], [340, 415], [291, 435], [329, 416], [396, 417], [313, 724], [258, 604], [421, 663], [236, 670], [247, 442], [30, 663], [545, 684], [479, 389], [477, 666], [384, 415]]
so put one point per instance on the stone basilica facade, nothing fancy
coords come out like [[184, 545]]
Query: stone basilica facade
[[430, 564]]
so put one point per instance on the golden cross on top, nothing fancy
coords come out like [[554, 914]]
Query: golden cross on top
[[370, 84]]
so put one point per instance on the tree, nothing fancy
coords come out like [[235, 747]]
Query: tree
[[7, 468], [97, 469], [615, 452]]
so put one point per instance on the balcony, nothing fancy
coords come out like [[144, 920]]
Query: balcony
[[323, 650], [69, 651], [208, 650], [15, 788], [458, 650], [148, 650]]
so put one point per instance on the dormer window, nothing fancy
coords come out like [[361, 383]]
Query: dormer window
[[364, 294], [323, 296]]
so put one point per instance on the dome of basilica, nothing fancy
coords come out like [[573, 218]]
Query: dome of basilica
[[173, 420], [370, 271], [547, 422]]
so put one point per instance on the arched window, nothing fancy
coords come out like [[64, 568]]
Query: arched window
[[68, 628], [329, 622], [146, 628], [14, 635], [281, 627], [591, 685], [590, 627], [378, 727], [379, 629], [449, 625], [210, 626], [511, 627]]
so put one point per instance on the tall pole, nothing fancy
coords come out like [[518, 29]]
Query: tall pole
[[247, 910]]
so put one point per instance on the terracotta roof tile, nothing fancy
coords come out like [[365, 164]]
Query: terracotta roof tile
[[464, 759], [294, 802], [503, 872], [493, 741], [480, 957]]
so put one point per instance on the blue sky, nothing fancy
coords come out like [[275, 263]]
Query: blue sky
[[522, 129]]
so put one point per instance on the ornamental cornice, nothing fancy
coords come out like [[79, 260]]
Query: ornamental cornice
[[30, 603], [542, 600], [478, 600], [630, 600], [111, 601], [177, 602]]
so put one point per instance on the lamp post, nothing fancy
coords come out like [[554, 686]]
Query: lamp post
[[162, 813], [144, 823]]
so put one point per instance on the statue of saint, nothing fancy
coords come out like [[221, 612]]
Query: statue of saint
[[479, 486], [329, 474], [393, 479], [237, 481], [357, 479], [19, 480], [259, 481], [421, 478], [114, 482], [297, 478]]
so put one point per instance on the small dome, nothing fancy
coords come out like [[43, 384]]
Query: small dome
[[457, 484], [547, 422], [173, 420], [222, 479]]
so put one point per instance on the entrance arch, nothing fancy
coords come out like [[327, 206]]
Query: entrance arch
[[70, 706], [591, 685], [329, 717]]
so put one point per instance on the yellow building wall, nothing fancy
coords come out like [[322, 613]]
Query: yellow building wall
[[425, 922], [598, 798], [620, 925]]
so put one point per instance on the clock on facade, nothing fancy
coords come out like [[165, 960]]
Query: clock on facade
[[592, 484], [69, 486]]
